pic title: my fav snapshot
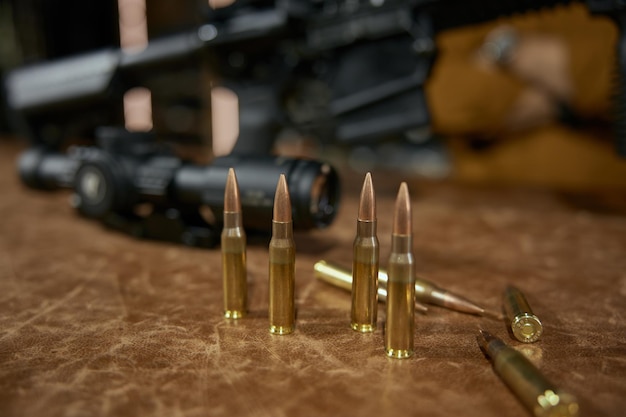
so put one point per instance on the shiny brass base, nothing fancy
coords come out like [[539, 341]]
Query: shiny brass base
[[234, 314], [363, 328], [281, 329], [399, 353]]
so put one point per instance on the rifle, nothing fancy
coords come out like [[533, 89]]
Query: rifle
[[346, 71]]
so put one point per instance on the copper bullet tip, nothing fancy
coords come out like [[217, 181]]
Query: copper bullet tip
[[459, 303], [483, 338], [232, 202], [282, 201], [367, 204], [402, 213]]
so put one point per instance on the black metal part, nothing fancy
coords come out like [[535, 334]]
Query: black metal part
[[167, 224], [363, 63], [131, 169], [342, 70]]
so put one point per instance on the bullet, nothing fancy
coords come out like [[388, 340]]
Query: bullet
[[430, 293], [341, 277], [233, 240], [525, 325], [282, 254], [400, 327], [365, 263], [534, 391]]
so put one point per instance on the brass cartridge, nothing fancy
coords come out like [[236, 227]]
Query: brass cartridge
[[233, 243], [425, 291], [525, 325], [400, 326], [364, 310], [341, 277], [282, 261], [535, 392], [430, 293]]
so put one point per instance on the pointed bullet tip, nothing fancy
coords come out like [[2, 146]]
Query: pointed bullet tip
[[486, 336], [282, 201], [491, 314], [232, 201], [459, 303], [402, 213], [367, 204]]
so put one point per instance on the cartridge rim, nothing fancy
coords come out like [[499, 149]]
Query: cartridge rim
[[399, 353], [527, 328], [234, 314], [363, 328], [556, 404], [280, 329]]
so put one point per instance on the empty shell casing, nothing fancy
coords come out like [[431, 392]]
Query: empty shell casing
[[535, 392], [233, 245], [525, 326]]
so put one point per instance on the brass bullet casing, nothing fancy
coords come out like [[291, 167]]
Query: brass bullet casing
[[282, 262], [400, 326], [341, 277], [233, 244], [333, 274], [425, 291], [428, 292], [535, 392], [526, 327], [364, 310]]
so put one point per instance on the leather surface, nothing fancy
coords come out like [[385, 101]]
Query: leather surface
[[93, 322]]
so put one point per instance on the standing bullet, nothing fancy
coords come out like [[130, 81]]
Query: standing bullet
[[400, 325], [282, 254], [233, 252], [525, 326], [365, 263], [538, 395]]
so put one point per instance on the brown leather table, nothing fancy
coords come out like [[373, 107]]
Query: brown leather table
[[93, 322]]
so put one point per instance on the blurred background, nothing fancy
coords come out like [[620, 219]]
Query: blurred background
[[524, 100]]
